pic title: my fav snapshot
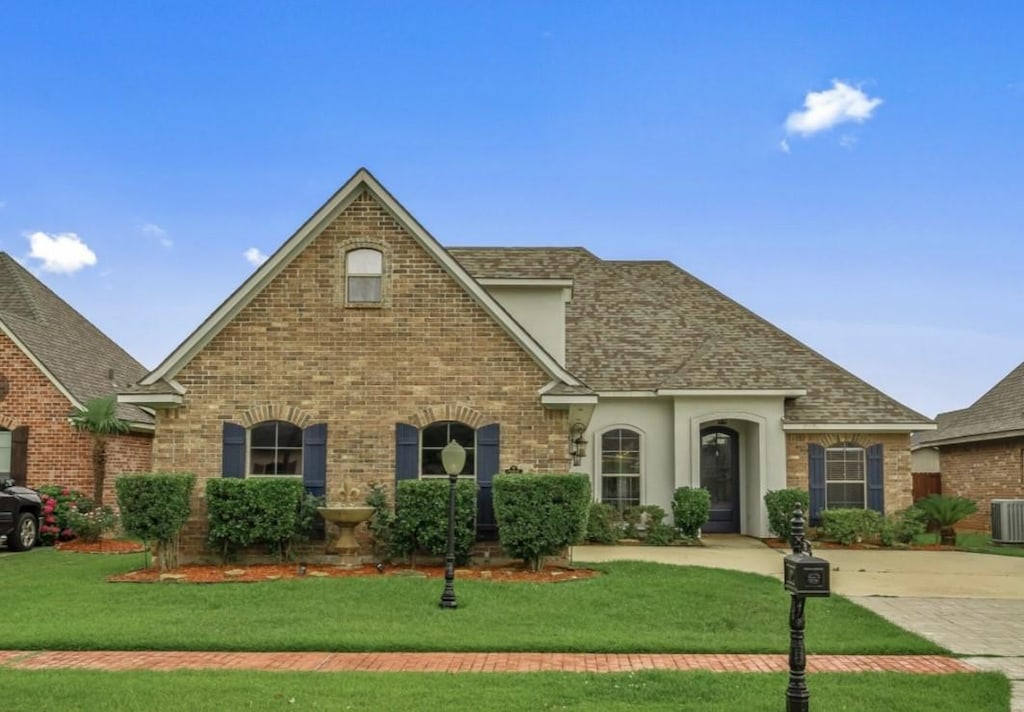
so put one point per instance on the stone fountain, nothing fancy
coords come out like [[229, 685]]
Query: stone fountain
[[347, 515]]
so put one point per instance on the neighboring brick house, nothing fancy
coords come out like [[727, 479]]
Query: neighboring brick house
[[52, 360], [981, 448], [362, 346]]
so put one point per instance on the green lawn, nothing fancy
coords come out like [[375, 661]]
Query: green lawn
[[975, 543], [69, 690], [62, 602]]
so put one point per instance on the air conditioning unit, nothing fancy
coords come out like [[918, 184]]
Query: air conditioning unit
[[1008, 521]]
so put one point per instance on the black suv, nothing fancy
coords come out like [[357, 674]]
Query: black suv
[[20, 508]]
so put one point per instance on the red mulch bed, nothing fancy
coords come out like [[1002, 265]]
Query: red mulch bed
[[254, 573], [103, 546]]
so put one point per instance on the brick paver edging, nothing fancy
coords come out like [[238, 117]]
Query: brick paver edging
[[469, 662]]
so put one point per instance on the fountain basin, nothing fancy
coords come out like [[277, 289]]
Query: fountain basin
[[347, 518]]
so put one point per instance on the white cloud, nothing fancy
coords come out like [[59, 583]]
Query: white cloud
[[831, 107], [784, 145], [847, 141], [155, 231], [254, 256], [62, 252]]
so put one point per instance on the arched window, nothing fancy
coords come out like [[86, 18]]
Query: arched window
[[620, 467], [5, 452], [435, 436], [845, 477], [275, 448], [364, 273]]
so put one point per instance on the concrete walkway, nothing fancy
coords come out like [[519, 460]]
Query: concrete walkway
[[467, 662]]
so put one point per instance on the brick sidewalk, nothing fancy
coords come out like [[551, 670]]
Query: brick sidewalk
[[469, 662]]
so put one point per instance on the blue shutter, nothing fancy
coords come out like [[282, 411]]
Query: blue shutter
[[407, 452], [488, 447], [876, 479], [816, 480], [314, 459], [19, 455], [233, 460]]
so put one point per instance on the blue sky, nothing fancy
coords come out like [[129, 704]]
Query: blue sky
[[852, 172]]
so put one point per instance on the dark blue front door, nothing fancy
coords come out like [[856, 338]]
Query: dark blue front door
[[720, 475]]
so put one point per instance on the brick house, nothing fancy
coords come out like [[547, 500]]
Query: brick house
[[981, 448], [52, 360], [362, 346]]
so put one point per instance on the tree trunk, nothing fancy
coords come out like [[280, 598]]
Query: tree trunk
[[99, 469], [947, 536]]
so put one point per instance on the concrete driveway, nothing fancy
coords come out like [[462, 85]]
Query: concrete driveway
[[875, 572]]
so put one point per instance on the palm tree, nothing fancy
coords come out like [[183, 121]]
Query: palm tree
[[944, 512], [99, 419]]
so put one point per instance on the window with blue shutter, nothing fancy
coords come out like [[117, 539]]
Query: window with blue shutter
[[407, 452], [488, 454], [876, 478], [233, 451], [314, 459], [816, 480]]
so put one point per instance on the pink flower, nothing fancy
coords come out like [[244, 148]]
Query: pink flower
[[66, 492]]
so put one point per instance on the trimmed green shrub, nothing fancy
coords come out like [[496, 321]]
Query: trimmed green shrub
[[780, 505], [154, 508], [639, 518], [902, 527], [691, 508], [540, 515], [421, 518], [944, 512], [660, 534], [89, 524], [271, 511], [850, 526], [382, 523], [603, 525]]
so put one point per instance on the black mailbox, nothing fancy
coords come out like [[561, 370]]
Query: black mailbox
[[807, 575]]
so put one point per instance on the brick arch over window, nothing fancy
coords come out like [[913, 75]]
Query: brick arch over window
[[460, 413], [344, 247], [274, 411]]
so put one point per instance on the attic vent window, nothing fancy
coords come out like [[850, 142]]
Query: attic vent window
[[364, 275]]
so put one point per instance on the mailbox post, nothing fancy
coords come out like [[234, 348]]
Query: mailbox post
[[803, 575]]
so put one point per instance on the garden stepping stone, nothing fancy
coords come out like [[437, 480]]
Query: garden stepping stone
[[172, 578], [234, 573]]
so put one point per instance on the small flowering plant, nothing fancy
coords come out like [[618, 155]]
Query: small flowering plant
[[58, 502], [92, 524]]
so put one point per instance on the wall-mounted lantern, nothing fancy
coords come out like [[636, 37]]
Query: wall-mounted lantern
[[577, 445]]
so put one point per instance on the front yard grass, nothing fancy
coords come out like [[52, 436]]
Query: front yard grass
[[974, 543], [28, 691], [62, 602]]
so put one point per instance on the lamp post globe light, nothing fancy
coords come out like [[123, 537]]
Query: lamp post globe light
[[453, 458]]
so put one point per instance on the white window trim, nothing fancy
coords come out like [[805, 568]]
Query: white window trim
[[598, 451], [863, 481], [379, 275], [249, 474], [6, 444]]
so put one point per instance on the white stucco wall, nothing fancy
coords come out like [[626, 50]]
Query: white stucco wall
[[540, 310], [670, 446], [925, 459]]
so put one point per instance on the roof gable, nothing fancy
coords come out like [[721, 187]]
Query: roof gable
[[293, 246], [998, 413], [68, 349]]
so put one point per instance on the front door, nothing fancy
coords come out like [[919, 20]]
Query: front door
[[720, 475]]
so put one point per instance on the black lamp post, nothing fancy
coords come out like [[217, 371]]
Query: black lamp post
[[453, 457]]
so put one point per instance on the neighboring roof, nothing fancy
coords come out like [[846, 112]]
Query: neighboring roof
[[650, 326], [75, 355], [997, 414], [293, 246]]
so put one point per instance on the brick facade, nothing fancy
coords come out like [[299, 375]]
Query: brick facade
[[896, 452], [57, 453], [297, 352], [983, 471]]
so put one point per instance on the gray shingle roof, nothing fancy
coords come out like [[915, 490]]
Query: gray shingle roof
[[74, 351], [650, 325], [1000, 410]]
